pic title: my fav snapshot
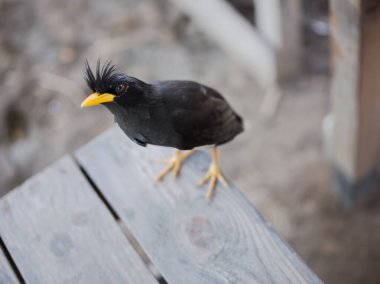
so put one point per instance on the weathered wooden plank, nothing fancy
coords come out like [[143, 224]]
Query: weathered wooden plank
[[58, 231], [188, 239], [7, 276], [354, 141]]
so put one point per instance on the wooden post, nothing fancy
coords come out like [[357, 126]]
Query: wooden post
[[354, 133], [279, 23]]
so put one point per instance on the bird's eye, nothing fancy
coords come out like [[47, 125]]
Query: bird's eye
[[120, 88]]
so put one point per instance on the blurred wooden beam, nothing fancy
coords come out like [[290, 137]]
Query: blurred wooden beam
[[234, 34], [279, 22], [354, 141]]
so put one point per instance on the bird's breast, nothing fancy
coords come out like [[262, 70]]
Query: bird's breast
[[144, 129]]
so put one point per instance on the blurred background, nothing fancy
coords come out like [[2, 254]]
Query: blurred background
[[279, 162]]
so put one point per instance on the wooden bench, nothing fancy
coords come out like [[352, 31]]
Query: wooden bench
[[67, 225]]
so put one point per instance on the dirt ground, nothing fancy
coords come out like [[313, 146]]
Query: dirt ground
[[279, 165]]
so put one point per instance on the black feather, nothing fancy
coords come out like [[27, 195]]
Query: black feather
[[199, 114]]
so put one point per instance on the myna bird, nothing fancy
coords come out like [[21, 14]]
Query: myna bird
[[179, 114]]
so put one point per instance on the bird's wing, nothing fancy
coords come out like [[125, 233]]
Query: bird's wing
[[200, 114]]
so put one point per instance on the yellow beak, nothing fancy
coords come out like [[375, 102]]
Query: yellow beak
[[96, 99]]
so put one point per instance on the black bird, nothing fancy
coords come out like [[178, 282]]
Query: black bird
[[179, 114]]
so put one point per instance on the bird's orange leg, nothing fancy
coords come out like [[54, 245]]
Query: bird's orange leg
[[175, 164], [213, 175]]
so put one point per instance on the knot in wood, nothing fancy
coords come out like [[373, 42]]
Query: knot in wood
[[201, 233]]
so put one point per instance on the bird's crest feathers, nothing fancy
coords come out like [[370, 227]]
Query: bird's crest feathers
[[103, 77]]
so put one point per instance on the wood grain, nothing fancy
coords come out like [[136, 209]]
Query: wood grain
[[188, 239], [58, 231], [7, 276]]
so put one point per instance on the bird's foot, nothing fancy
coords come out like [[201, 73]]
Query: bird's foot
[[213, 175], [175, 164]]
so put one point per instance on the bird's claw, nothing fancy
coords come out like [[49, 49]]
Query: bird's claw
[[213, 175], [167, 170], [175, 164]]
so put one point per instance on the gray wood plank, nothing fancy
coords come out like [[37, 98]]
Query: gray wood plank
[[188, 239], [7, 276], [58, 231]]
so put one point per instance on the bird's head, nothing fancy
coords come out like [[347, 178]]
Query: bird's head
[[109, 86]]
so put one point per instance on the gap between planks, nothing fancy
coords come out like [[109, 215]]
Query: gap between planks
[[56, 233], [123, 227], [9, 272]]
